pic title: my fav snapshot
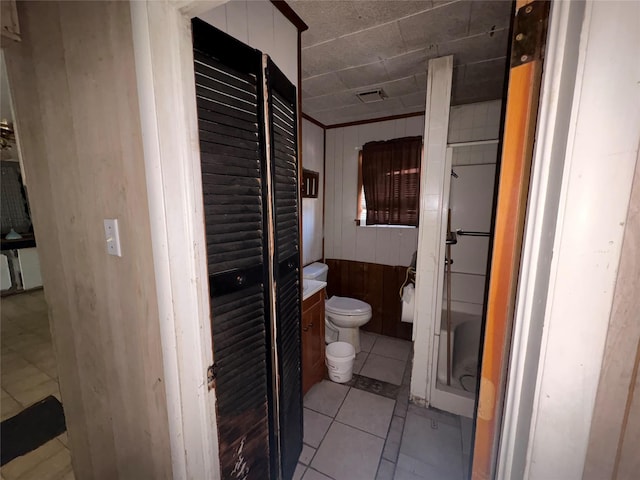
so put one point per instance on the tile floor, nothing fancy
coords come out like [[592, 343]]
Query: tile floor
[[29, 374], [349, 433], [356, 434]]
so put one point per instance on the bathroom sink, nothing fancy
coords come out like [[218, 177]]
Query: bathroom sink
[[309, 287]]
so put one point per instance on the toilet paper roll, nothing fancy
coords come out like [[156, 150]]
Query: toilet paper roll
[[408, 303]]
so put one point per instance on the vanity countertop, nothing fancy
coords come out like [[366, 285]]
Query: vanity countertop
[[309, 287]]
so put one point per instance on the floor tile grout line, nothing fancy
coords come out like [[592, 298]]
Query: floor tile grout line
[[364, 431], [387, 356], [333, 419], [38, 368]]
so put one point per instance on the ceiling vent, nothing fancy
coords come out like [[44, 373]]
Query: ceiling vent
[[372, 96]]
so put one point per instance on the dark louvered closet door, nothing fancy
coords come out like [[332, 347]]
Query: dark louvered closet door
[[282, 121], [229, 103]]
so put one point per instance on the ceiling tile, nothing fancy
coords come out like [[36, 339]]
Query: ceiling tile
[[365, 75], [403, 86], [438, 25], [363, 111], [327, 19], [477, 92], [489, 15], [482, 71], [354, 45], [421, 80], [477, 48], [416, 100], [410, 63], [362, 48], [380, 11], [325, 58], [322, 85], [329, 102]]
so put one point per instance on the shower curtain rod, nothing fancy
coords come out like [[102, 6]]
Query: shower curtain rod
[[472, 233]]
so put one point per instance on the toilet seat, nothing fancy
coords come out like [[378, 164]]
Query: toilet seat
[[346, 306]]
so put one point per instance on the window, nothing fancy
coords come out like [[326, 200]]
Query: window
[[389, 182]]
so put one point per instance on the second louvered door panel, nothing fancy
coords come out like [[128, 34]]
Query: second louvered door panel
[[282, 124], [227, 77]]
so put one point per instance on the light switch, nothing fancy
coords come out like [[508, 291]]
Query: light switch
[[112, 236]]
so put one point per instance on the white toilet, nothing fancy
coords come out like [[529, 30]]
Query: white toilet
[[343, 316]]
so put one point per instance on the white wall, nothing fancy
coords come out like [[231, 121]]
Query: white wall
[[343, 239], [395, 246], [601, 155], [471, 199], [312, 225], [260, 25]]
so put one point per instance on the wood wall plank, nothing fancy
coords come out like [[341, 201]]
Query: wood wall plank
[[74, 88]]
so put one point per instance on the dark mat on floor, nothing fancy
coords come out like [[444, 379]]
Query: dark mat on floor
[[372, 385], [31, 428]]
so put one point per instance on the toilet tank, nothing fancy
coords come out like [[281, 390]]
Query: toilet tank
[[316, 271]]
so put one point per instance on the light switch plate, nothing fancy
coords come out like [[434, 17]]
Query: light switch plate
[[112, 236]]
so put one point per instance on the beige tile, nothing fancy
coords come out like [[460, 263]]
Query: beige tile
[[9, 406], [54, 468], [64, 439], [348, 454], [311, 474], [367, 411], [426, 441], [23, 341], [10, 309], [22, 377], [307, 454], [326, 397], [383, 368], [35, 393], [385, 470], [359, 361], [315, 427], [367, 340], [43, 358], [68, 476], [392, 348], [297, 474], [18, 467]]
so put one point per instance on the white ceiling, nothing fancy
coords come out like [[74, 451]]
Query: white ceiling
[[353, 46]]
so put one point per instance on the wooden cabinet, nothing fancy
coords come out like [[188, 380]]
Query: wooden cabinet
[[313, 367]]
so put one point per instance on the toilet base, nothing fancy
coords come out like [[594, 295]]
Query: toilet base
[[349, 335]]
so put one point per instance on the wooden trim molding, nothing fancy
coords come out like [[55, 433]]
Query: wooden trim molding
[[375, 120], [284, 8], [311, 119]]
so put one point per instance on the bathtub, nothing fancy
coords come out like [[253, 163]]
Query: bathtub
[[465, 335]]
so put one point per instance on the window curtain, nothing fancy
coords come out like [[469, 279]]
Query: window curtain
[[391, 181]]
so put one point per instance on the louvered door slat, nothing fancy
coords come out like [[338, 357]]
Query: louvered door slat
[[282, 125], [227, 77]]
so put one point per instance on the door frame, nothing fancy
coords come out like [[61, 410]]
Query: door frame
[[166, 90], [570, 260], [561, 65]]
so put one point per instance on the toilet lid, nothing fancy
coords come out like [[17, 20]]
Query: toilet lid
[[346, 306]]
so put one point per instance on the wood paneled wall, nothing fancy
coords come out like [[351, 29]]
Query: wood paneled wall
[[376, 284], [73, 83]]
